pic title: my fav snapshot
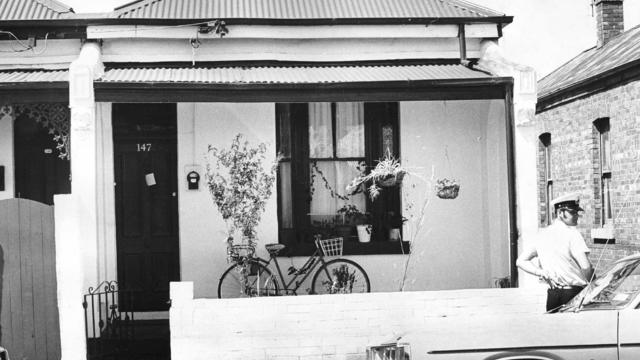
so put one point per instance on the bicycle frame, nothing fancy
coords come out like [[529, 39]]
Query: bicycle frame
[[305, 271]]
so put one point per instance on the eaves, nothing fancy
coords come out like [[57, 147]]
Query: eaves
[[607, 80]]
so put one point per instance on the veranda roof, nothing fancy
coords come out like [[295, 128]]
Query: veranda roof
[[290, 74], [257, 74], [255, 83]]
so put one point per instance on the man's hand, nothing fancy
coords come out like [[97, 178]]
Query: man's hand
[[548, 278]]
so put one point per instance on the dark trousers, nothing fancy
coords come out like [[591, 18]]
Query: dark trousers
[[558, 297]]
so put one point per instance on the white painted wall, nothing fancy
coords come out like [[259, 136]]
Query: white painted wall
[[465, 243], [6, 154], [377, 31], [202, 235], [342, 326], [158, 50], [47, 54]]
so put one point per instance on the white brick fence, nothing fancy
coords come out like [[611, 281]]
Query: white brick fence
[[327, 327]]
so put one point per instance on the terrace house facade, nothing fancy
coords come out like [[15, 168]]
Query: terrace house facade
[[135, 97]]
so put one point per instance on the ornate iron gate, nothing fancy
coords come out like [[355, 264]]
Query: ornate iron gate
[[109, 325]]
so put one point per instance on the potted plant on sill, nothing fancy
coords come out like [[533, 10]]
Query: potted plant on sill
[[240, 186], [364, 227], [348, 214], [393, 223]]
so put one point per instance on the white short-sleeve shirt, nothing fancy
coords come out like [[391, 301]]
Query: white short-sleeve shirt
[[556, 245]]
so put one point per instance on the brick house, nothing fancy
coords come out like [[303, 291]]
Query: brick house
[[587, 120]]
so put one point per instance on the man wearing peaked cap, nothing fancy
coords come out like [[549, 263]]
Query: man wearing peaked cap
[[569, 201], [562, 254]]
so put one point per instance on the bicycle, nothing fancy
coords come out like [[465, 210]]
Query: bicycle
[[250, 276]]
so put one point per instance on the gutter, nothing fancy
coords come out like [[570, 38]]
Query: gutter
[[500, 20]]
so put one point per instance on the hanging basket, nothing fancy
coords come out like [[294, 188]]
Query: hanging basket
[[392, 179], [447, 189]]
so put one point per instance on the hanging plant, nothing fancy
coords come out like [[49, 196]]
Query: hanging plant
[[447, 188], [387, 173]]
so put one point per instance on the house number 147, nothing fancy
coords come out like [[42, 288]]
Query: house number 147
[[144, 147]]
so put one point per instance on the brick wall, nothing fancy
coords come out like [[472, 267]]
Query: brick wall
[[609, 19], [575, 156], [332, 327]]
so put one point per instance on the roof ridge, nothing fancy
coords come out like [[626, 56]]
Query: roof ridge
[[56, 6]]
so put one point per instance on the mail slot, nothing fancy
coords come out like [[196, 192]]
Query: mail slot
[[193, 180]]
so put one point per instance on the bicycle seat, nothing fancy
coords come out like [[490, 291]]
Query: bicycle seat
[[274, 249]]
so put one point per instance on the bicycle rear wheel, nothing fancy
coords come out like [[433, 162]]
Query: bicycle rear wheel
[[252, 279], [340, 276]]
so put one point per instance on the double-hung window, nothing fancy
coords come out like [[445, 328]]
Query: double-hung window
[[604, 166], [324, 147]]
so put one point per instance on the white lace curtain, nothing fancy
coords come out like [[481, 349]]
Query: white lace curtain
[[331, 173], [331, 176]]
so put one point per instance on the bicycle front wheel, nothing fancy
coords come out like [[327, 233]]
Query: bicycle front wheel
[[340, 276], [248, 280]]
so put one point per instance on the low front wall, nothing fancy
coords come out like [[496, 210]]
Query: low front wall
[[326, 326]]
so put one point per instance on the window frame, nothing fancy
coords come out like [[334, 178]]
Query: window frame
[[299, 238], [545, 142], [603, 127]]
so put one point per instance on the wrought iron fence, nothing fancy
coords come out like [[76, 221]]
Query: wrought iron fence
[[109, 326]]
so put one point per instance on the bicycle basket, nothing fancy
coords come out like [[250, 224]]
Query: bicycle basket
[[331, 247], [234, 252]]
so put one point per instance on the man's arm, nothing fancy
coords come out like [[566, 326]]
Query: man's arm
[[584, 263], [524, 262], [579, 252]]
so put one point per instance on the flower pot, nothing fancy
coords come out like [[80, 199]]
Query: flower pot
[[344, 231], [395, 235], [392, 179], [364, 233], [448, 192]]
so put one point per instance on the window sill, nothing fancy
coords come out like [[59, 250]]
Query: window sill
[[603, 235], [354, 248]]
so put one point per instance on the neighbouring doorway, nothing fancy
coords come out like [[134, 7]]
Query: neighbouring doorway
[[40, 170], [145, 170]]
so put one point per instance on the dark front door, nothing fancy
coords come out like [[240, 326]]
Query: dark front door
[[145, 150], [40, 172]]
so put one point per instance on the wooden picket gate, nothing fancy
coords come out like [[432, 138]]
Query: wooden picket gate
[[29, 327]]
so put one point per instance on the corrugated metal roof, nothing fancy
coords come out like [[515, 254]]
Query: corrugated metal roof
[[34, 10], [26, 76], [259, 75], [618, 52], [301, 9], [291, 75]]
